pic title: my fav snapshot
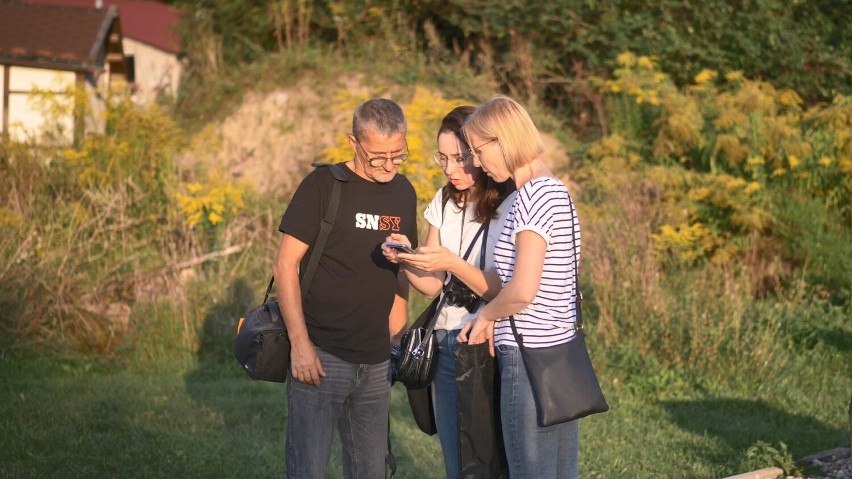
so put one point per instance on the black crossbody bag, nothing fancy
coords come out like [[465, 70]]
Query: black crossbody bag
[[564, 384]]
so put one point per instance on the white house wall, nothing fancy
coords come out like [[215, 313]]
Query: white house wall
[[2, 89], [27, 120], [156, 70]]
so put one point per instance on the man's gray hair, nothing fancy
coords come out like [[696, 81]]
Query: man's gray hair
[[379, 116]]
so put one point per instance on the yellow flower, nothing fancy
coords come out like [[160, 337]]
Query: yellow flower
[[698, 194], [633, 159], [215, 218], [733, 183], [734, 75], [626, 59], [825, 161], [756, 160], [705, 76], [789, 97], [752, 187], [645, 62], [778, 172], [794, 161], [612, 144]]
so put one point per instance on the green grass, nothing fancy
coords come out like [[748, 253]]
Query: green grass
[[86, 419], [156, 409], [96, 418]]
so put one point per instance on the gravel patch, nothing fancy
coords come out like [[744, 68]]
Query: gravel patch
[[835, 464]]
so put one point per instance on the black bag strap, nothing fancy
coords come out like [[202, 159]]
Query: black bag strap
[[578, 296], [325, 229], [484, 245], [578, 315]]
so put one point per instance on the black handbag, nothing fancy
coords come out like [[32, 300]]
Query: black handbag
[[564, 384], [418, 350], [262, 346], [414, 362]]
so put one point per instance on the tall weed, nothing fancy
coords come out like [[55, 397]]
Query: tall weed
[[89, 232], [651, 313], [722, 152]]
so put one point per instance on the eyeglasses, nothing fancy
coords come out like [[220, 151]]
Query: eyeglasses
[[475, 150], [443, 161], [378, 161]]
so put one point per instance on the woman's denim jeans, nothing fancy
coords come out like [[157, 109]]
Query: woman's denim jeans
[[354, 399], [444, 387], [533, 452]]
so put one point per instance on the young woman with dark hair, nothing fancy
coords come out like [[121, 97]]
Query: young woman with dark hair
[[455, 215]]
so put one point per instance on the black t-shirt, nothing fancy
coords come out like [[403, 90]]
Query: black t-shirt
[[349, 300]]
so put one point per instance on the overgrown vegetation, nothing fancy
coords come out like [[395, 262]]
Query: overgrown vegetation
[[547, 50], [714, 187]]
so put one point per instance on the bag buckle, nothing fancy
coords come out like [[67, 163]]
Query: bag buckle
[[418, 352]]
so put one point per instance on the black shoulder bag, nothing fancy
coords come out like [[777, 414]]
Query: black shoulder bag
[[262, 346], [563, 381]]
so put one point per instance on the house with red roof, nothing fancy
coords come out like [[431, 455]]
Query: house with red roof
[[151, 42], [47, 47], [53, 59]]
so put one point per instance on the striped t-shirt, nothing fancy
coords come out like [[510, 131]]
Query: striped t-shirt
[[544, 207]]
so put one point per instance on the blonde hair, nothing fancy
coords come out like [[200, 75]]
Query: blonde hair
[[507, 121]]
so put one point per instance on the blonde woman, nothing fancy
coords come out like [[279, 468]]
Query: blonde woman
[[534, 259]]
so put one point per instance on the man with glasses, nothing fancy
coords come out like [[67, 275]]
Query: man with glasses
[[356, 305]]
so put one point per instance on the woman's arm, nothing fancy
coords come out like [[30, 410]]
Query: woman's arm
[[438, 258], [530, 249]]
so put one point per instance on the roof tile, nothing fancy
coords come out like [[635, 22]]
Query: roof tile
[[150, 22], [49, 33]]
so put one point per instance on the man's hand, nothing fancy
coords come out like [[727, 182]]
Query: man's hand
[[305, 364]]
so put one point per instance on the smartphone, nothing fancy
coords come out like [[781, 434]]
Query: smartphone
[[400, 246]]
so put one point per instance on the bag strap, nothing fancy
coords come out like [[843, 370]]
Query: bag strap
[[482, 229], [578, 321], [484, 246], [326, 226], [578, 297]]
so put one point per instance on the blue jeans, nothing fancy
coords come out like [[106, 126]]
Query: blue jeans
[[532, 451], [444, 387], [352, 398]]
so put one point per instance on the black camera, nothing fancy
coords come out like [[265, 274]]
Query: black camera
[[458, 294]]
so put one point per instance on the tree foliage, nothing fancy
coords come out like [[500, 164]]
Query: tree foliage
[[544, 49]]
